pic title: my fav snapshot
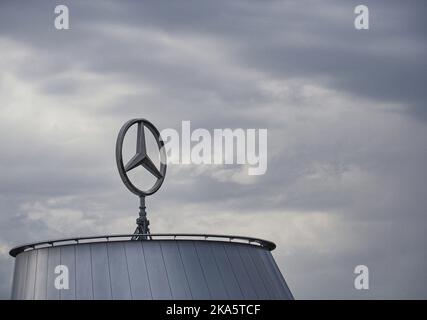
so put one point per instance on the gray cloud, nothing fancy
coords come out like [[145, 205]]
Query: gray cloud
[[345, 183]]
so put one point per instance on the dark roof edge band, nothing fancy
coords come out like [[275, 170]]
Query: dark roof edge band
[[156, 236]]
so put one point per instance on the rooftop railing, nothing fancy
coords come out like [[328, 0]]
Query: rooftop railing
[[145, 237]]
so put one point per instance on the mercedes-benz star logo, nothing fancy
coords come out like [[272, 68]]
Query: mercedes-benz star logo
[[142, 159]]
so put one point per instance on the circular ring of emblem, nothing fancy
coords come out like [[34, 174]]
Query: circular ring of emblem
[[141, 157]]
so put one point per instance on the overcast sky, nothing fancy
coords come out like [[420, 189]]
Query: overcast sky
[[345, 111]]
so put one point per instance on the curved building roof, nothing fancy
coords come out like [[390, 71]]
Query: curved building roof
[[163, 267]]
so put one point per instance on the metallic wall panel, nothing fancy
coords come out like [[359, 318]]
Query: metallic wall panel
[[196, 279], [18, 291], [68, 258], [257, 256], [31, 276], [119, 274], [84, 289], [252, 271], [54, 259], [175, 269], [40, 289], [15, 284], [210, 270], [227, 273], [151, 269], [140, 284], [243, 279], [271, 273], [100, 271], [279, 277], [159, 283]]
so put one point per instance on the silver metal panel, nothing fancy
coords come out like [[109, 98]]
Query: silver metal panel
[[252, 271], [283, 282], [227, 273], [41, 275], [263, 273], [54, 259], [84, 289], [175, 269], [157, 274], [151, 269], [15, 284], [68, 259], [274, 287], [100, 271], [241, 274], [140, 285], [119, 275], [31, 276], [271, 272], [280, 279], [193, 269], [18, 292], [210, 270]]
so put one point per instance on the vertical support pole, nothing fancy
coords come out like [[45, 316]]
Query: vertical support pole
[[142, 221]]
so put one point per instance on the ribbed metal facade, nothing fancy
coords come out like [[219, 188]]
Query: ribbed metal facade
[[151, 269]]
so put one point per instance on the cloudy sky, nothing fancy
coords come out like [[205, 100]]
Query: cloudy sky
[[345, 111]]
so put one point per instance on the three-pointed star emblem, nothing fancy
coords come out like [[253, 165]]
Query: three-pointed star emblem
[[141, 157]]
